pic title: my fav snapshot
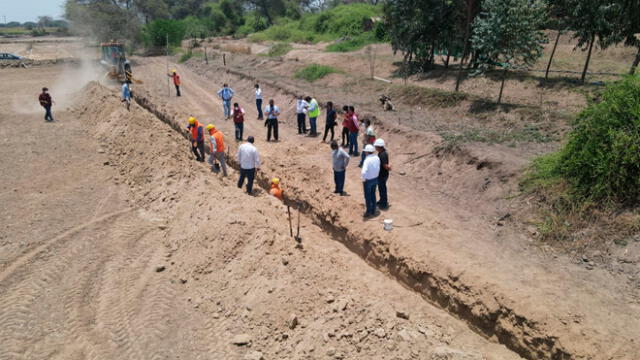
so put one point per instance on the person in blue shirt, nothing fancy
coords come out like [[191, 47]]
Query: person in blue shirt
[[272, 112], [126, 94], [226, 94]]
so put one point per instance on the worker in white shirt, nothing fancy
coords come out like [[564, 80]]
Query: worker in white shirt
[[271, 123], [259, 102], [301, 110], [249, 160], [370, 173]]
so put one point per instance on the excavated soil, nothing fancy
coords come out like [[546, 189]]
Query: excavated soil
[[116, 244]]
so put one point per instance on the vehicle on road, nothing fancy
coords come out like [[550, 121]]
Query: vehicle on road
[[8, 56]]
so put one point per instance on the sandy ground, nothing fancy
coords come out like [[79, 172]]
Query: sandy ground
[[116, 244]]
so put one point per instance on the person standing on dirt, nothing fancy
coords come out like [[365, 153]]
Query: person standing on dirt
[[259, 102], [301, 110], [216, 147], [197, 138], [126, 94], [271, 123], [383, 155], [275, 189], [46, 102], [345, 126], [176, 81], [354, 128], [314, 113], [238, 120], [369, 176], [331, 122], [340, 160], [369, 137], [249, 160], [226, 94]]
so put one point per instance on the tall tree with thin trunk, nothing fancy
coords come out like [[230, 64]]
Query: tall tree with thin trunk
[[507, 34], [468, 11]]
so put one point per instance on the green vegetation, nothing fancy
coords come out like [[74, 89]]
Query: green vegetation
[[186, 56], [279, 49], [419, 95], [351, 23], [598, 170], [155, 33], [314, 72]]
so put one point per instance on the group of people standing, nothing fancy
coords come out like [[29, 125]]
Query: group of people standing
[[374, 159]]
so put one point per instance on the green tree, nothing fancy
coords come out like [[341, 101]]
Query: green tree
[[593, 21], [155, 33], [629, 28], [507, 34]]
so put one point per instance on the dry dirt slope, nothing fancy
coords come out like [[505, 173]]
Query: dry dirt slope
[[103, 199]]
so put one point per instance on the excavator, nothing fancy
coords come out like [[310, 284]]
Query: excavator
[[112, 56]]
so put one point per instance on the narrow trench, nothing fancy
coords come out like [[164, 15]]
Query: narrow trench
[[516, 332]]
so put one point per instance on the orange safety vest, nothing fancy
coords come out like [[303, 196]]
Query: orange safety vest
[[219, 141], [276, 191], [176, 79], [194, 131]]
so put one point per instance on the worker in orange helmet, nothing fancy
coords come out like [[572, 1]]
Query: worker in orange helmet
[[216, 145], [197, 138], [275, 188]]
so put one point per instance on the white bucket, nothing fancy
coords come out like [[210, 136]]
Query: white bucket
[[388, 224]]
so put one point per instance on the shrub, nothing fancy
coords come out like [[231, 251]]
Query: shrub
[[279, 49], [155, 33], [352, 44], [186, 56], [314, 72], [601, 159]]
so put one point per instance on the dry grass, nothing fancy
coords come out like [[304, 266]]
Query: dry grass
[[236, 48]]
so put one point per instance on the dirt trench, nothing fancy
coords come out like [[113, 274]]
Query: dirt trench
[[494, 320]]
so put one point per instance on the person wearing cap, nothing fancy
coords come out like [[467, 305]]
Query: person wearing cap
[[176, 81], [271, 123], [275, 188], [238, 120], [216, 147], [197, 138], [249, 160], [383, 155], [369, 176], [340, 160], [226, 94], [46, 102]]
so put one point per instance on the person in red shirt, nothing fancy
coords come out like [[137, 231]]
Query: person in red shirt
[[46, 102], [345, 126], [238, 120], [176, 81], [354, 128]]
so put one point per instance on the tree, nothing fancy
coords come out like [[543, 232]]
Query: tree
[[593, 21], [45, 21], [507, 34], [629, 28], [468, 11], [156, 33]]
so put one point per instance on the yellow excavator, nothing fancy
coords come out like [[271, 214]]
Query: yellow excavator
[[113, 57]]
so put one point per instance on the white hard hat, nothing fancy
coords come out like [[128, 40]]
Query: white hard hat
[[369, 148], [378, 143]]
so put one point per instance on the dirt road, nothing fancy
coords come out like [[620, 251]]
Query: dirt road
[[115, 244], [540, 304]]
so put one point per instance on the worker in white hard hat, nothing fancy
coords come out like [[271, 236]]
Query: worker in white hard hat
[[383, 155], [369, 176]]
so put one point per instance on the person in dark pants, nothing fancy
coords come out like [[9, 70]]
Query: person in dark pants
[[383, 155], [345, 126], [176, 81], [331, 121], [259, 101], [369, 176], [340, 160], [197, 138], [354, 128], [301, 109], [271, 123], [249, 160], [46, 102], [238, 120]]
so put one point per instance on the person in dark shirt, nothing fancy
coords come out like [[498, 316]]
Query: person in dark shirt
[[46, 102], [384, 173], [331, 122]]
